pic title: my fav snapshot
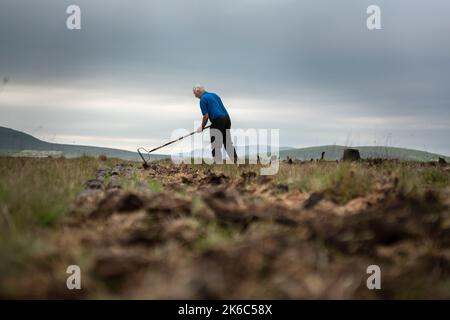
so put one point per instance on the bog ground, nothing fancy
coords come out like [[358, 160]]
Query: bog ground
[[198, 231]]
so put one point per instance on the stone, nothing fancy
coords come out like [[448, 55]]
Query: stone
[[351, 155]]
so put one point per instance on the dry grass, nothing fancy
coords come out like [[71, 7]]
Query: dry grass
[[37, 192], [35, 196]]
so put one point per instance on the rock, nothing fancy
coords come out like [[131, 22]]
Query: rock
[[351, 155]]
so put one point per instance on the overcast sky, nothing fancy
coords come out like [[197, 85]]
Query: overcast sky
[[310, 68]]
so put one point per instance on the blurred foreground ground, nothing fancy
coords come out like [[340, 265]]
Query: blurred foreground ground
[[223, 232]]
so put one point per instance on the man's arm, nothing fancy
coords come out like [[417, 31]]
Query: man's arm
[[204, 122]]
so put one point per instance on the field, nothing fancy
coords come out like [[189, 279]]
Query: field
[[199, 231]]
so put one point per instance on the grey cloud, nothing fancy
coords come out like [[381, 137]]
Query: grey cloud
[[289, 52]]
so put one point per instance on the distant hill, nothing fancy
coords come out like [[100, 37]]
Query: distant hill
[[335, 152], [13, 142]]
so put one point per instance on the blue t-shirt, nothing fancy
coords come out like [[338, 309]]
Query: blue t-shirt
[[211, 104]]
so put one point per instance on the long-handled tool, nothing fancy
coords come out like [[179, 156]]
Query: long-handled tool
[[141, 150]]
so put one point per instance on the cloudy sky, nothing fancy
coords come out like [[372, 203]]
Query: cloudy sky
[[310, 68]]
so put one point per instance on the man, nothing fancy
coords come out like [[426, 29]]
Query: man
[[213, 109]]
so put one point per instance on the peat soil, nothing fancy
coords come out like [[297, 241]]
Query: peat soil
[[205, 235]]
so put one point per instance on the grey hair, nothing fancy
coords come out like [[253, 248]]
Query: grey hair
[[198, 88]]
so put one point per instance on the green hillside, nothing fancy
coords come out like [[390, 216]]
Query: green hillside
[[13, 142]]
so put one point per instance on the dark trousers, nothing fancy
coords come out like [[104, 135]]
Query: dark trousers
[[223, 125]]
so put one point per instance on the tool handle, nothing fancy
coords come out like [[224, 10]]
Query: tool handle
[[180, 138]]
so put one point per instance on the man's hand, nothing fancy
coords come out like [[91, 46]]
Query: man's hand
[[204, 122]]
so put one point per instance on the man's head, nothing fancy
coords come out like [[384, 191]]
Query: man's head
[[198, 90]]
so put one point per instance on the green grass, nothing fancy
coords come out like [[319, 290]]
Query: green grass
[[215, 235], [155, 185], [347, 181], [133, 182], [434, 176], [344, 180]]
